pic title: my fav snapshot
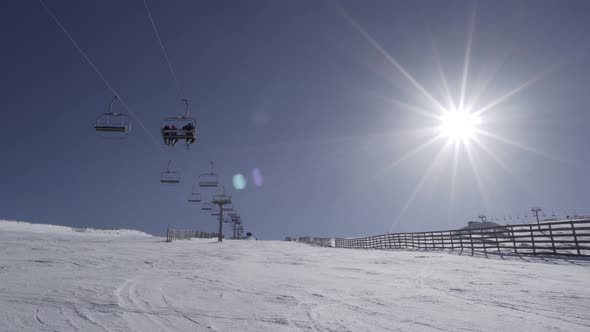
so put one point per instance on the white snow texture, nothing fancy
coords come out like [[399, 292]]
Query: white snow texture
[[55, 278]]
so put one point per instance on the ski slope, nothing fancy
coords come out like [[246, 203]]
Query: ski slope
[[60, 279]]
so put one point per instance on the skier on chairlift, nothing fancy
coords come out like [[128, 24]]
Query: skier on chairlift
[[189, 131], [174, 133], [165, 134]]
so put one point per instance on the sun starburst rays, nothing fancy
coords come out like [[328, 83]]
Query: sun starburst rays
[[461, 120]]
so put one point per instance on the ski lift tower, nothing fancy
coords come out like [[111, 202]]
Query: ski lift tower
[[236, 220], [221, 200], [240, 230]]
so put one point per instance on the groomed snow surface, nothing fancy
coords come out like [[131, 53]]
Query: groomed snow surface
[[61, 279]]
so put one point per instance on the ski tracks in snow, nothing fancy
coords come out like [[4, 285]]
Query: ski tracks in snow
[[85, 283], [145, 306]]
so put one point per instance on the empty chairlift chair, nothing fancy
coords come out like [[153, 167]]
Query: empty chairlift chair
[[179, 128], [195, 196], [169, 176], [113, 125], [207, 206], [228, 207], [210, 179]]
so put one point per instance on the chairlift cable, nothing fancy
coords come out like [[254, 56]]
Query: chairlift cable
[[65, 31], [178, 86], [56, 20]]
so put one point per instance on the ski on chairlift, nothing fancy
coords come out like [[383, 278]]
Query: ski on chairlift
[[113, 125], [170, 176], [210, 179], [179, 128], [195, 196]]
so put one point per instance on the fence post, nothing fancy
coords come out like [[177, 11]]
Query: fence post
[[496, 236], [533, 240], [471, 241], [513, 236], [483, 242], [452, 240], [552, 240], [432, 238], [575, 237]]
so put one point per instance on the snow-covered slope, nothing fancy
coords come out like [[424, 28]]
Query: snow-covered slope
[[55, 279], [21, 226]]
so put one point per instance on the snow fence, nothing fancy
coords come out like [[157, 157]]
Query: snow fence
[[567, 237]]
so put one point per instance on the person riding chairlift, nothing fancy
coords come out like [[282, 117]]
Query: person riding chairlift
[[174, 132], [189, 132], [165, 134]]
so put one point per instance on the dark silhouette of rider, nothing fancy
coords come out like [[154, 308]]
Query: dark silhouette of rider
[[189, 132], [174, 134], [166, 134]]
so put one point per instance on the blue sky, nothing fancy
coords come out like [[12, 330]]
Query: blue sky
[[305, 91]]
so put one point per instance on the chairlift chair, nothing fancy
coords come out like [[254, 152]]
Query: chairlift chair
[[113, 125], [207, 206], [209, 180], [195, 196], [179, 127], [228, 207], [169, 176]]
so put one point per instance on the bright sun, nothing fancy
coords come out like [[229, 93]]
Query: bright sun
[[459, 126]]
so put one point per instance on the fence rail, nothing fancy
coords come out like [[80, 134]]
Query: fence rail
[[568, 237], [185, 234]]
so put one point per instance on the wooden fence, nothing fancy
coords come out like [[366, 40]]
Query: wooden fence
[[567, 237], [185, 234]]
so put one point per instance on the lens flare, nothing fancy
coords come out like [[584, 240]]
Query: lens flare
[[239, 181], [257, 177]]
